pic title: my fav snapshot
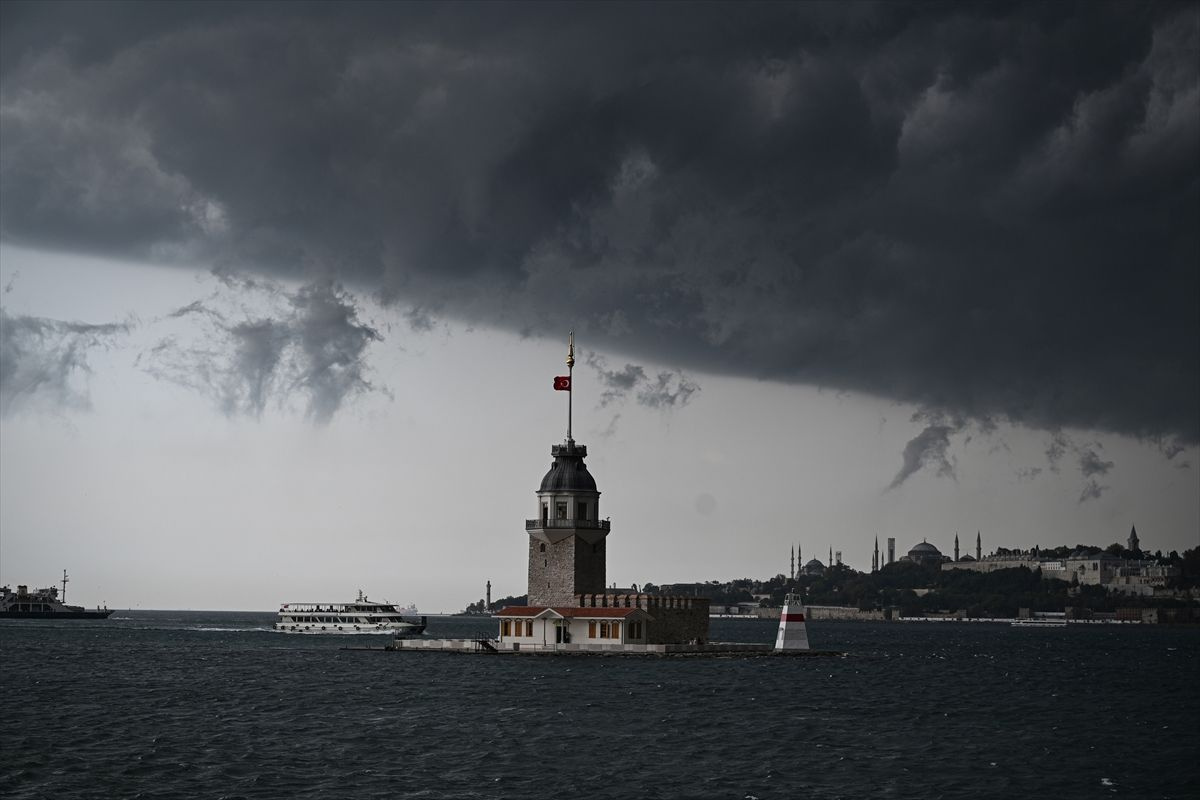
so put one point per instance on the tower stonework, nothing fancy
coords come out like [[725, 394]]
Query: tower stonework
[[567, 538]]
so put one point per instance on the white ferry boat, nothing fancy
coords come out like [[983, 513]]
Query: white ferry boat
[[361, 616]]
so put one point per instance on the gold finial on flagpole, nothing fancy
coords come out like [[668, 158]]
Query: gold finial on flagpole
[[571, 349]]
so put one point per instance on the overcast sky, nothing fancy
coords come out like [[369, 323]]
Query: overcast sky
[[284, 287]]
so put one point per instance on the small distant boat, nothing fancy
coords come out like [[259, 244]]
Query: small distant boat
[[44, 604], [1039, 622], [361, 616]]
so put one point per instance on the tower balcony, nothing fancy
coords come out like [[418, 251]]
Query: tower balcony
[[582, 524]]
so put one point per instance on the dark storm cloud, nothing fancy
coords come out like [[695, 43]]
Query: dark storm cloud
[[44, 362], [313, 345], [929, 448], [987, 211]]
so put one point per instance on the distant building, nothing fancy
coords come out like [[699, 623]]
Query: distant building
[[1126, 576], [891, 549], [814, 567]]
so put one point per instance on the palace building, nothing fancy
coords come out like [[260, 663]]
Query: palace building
[[569, 606]]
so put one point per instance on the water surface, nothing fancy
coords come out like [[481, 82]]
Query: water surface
[[175, 704]]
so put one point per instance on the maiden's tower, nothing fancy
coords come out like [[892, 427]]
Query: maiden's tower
[[569, 606]]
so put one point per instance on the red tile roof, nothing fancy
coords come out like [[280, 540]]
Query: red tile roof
[[600, 613]]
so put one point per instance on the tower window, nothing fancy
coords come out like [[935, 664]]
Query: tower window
[[581, 511], [545, 511], [560, 510], [541, 548]]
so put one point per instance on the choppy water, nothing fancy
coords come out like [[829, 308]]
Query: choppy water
[[181, 704]]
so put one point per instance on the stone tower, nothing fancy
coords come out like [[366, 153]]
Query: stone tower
[[567, 538]]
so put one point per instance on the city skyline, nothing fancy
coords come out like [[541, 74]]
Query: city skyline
[[284, 288]]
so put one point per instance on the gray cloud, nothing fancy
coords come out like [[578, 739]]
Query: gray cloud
[[1091, 467], [1056, 449], [313, 346], [989, 212], [668, 389], [929, 448], [1091, 464], [44, 362], [1092, 490]]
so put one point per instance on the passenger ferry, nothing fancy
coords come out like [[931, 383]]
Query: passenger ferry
[[361, 616]]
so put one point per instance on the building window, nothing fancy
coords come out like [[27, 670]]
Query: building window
[[591, 630], [615, 630], [560, 510], [545, 511], [542, 548], [581, 511], [529, 627], [505, 628], [604, 630], [635, 630]]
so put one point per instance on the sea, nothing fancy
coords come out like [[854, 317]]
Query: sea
[[182, 704]]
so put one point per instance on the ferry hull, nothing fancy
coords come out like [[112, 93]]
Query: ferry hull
[[55, 614]]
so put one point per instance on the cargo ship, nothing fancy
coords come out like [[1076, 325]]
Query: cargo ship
[[44, 604]]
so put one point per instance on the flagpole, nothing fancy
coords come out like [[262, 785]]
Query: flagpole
[[570, 380]]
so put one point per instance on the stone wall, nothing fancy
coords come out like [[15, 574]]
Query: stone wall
[[561, 570], [674, 619]]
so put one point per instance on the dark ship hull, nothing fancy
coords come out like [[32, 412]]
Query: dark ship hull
[[102, 614]]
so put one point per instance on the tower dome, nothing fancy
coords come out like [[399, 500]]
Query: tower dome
[[568, 473]]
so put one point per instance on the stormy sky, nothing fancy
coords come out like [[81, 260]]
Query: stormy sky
[[980, 222]]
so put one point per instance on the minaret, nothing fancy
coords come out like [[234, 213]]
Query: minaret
[[793, 571], [978, 546], [1134, 544], [875, 556], [488, 607], [956, 545], [831, 556], [567, 538]]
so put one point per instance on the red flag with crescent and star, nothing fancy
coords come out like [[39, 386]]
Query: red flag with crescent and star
[[562, 383]]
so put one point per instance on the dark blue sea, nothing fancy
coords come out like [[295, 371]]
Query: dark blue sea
[[172, 704]]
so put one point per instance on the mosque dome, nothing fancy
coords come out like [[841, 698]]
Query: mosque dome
[[925, 553], [568, 473]]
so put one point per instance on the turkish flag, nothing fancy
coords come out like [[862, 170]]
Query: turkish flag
[[562, 383]]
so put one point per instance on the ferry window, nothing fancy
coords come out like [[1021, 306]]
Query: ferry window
[[581, 511], [529, 627], [591, 630], [560, 510]]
